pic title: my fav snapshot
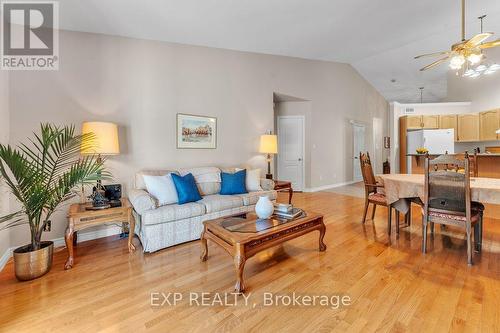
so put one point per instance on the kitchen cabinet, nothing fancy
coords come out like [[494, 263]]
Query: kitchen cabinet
[[413, 122], [468, 127], [430, 122], [489, 123], [422, 122], [449, 121]]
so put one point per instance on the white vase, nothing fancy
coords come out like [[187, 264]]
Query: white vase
[[264, 207]]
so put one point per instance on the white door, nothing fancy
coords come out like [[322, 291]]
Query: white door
[[358, 132], [291, 150]]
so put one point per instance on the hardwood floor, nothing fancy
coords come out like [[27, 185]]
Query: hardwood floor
[[393, 286]]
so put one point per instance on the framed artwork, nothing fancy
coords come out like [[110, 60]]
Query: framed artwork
[[196, 132], [387, 142]]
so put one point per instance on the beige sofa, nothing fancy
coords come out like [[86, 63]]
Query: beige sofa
[[159, 227]]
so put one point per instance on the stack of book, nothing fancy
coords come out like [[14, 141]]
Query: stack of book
[[287, 211]]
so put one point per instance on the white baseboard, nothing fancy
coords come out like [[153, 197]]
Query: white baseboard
[[5, 257], [330, 186], [82, 237]]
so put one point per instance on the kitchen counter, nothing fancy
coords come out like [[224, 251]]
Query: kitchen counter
[[488, 164], [480, 154]]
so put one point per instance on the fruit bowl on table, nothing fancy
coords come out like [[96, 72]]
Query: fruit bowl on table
[[422, 151]]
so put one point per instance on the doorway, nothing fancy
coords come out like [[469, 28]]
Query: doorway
[[291, 146], [358, 139]]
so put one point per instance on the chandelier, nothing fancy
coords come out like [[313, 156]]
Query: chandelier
[[466, 57]]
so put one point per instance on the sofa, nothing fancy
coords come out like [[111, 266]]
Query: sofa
[[159, 227]]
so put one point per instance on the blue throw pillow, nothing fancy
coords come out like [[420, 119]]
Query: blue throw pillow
[[233, 183], [187, 191]]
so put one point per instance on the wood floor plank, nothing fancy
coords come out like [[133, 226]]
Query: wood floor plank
[[392, 285]]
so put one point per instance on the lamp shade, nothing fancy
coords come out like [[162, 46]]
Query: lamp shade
[[268, 144], [105, 138], [498, 131]]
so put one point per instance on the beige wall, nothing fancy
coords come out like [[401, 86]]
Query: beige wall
[[4, 138], [141, 85]]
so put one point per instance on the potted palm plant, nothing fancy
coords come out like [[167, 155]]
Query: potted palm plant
[[41, 176]]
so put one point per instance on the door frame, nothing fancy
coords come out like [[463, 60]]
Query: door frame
[[303, 145], [355, 156]]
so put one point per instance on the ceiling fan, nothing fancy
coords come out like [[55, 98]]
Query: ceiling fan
[[466, 52]]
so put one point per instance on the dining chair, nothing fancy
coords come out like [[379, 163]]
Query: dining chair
[[473, 172], [447, 200], [374, 193], [473, 169]]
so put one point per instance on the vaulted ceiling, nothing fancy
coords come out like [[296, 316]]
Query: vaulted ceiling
[[377, 37]]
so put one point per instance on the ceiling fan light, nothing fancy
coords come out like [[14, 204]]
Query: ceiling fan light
[[469, 72], [476, 74], [489, 71], [481, 68], [457, 61], [494, 67], [474, 58]]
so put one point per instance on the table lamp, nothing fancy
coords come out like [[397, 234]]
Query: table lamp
[[105, 142], [268, 145]]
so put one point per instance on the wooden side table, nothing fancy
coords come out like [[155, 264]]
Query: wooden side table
[[79, 218], [280, 185]]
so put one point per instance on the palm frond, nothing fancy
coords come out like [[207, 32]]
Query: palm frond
[[45, 173]]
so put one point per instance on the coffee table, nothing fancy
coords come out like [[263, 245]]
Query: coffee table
[[244, 236]]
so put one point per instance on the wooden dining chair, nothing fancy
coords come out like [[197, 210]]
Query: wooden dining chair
[[447, 200], [473, 170], [373, 193]]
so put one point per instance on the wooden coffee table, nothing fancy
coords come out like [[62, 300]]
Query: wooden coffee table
[[226, 232]]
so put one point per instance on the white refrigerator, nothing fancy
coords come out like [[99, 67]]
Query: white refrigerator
[[437, 142]]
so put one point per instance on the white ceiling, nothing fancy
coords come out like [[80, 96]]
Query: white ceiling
[[378, 37]]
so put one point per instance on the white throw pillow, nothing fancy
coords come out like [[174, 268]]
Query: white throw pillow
[[252, 181], [162, 188]]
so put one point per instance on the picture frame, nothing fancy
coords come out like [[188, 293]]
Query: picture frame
[[387, 142], [196, 132]]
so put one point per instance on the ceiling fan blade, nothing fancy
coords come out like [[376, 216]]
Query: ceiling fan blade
[[477, 39], [432, 54], [435, 63], [489, 45]]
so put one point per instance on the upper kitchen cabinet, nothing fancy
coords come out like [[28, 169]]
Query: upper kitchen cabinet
[[430, 122], [468, 127], [449, 121], [422, 122], [413, 122], [489, 123]]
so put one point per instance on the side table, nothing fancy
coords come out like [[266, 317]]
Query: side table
[[280, 185], [79, 218]]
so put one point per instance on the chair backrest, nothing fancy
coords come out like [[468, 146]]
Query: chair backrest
[[367, 172], [473, 164], [473, 169], [447, 190]]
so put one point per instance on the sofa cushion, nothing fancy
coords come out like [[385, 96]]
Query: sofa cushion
[[233, 183], [207, 179], [217, 203], [172, 213], [187, 191], [251, 198], [162, 188], [139, 179]]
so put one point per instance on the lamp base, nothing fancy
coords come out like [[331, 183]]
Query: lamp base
[[269, 176]]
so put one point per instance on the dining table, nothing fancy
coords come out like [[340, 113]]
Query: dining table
[[400, 188]]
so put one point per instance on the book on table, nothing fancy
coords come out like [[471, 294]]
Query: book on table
[[294, 213]]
